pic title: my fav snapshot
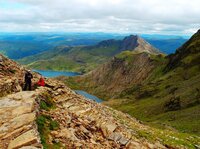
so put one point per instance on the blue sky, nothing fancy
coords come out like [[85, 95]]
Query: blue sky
[[178, 17], [11, 5]]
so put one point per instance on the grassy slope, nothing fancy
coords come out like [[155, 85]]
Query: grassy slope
[[168, 97], [107, 82], [79, 59], [170, 138], [149, 102]]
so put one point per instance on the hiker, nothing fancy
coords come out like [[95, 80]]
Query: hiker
[[41, 82], [28, 77]]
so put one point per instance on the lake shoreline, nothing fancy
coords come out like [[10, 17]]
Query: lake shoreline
[[53, 74]]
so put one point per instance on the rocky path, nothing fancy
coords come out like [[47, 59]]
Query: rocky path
[[82, 123], [87, 124], [17, 121]]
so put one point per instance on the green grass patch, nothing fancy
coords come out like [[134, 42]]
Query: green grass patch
[[45, 125], [47, 103]]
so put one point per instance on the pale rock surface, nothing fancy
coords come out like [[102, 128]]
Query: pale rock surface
[[17, 120]]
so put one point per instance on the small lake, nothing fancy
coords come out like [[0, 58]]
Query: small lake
[[89, 96], [51, 74]]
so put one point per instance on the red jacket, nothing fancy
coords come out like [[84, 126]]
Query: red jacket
[[41, 82]]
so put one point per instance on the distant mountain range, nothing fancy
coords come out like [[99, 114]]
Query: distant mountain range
[[86, 58], [167, 46], [161, 90], [20, 45]]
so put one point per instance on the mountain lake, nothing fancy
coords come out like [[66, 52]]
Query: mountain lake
[[51, 74]]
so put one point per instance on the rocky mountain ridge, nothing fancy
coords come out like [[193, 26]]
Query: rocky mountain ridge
[[136, 43], [120, 73]]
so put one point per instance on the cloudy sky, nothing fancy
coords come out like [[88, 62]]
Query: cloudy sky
[[121, 16]]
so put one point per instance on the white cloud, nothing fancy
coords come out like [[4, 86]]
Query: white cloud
[[135, 16]]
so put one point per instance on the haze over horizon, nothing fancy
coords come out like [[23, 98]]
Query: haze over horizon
[[172, 17]]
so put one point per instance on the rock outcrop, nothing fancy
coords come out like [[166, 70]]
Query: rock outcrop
[[12, 76], [17, 120], [87, 124]]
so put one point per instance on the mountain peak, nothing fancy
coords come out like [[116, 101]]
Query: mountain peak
[[129, 43], [136, 43], [107, 43]]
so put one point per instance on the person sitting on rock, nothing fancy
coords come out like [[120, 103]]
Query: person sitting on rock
[[41, 82], [28, 82]]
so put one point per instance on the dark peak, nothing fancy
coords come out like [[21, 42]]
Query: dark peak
[[136, 43], [107, 43], [131, 37], [129, 43]]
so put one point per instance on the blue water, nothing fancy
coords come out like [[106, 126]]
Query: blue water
[[89, 96], [50, 74]]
